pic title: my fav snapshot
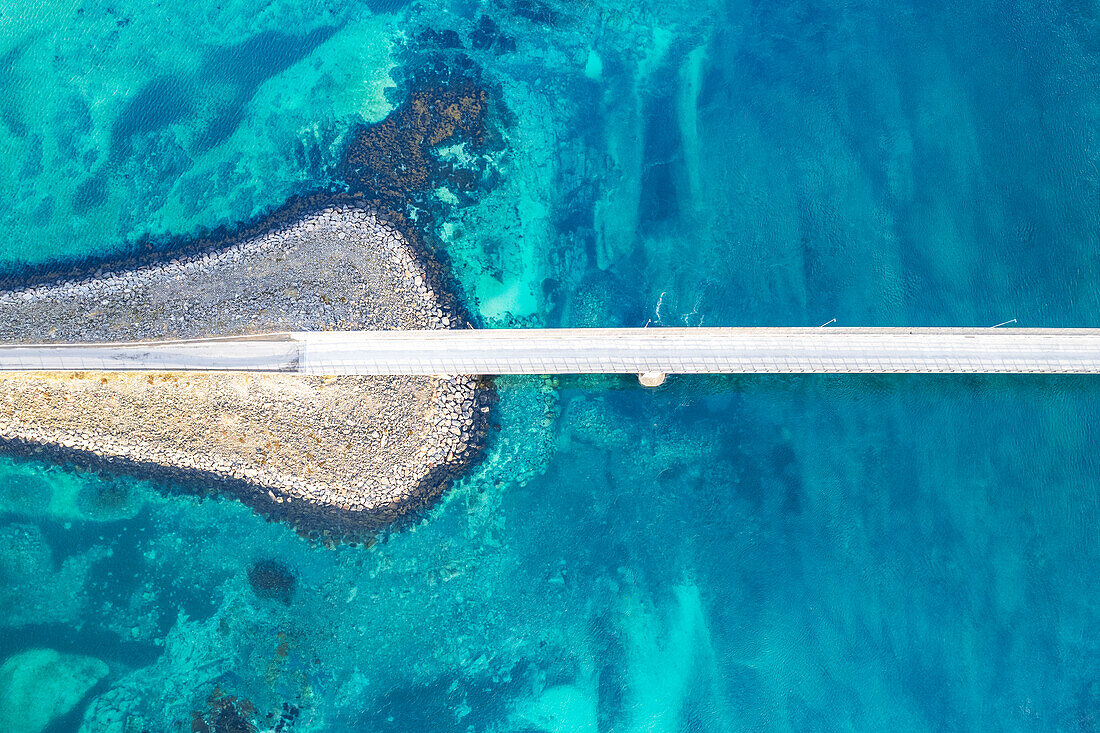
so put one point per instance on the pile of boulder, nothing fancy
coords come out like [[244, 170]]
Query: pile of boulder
[[332, 454]]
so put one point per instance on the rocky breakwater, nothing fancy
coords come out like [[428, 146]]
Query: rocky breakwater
[[335, 455]]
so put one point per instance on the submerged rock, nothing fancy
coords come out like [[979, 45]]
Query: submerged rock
[[40, 685]]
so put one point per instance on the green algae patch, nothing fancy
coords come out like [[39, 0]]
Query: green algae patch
[[40, 685]]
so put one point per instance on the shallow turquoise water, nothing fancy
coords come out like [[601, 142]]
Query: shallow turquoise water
[[802, 553]]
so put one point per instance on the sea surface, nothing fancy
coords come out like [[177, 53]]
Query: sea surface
[[803, 553]]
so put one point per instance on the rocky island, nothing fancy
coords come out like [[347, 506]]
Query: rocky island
[[338, 456]]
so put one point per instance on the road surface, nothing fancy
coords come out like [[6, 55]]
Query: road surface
[[594, 350]]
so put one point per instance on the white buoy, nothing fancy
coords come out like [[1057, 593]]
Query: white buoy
[[651, 379]]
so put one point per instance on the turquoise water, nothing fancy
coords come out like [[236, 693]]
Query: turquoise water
[[721, 554]]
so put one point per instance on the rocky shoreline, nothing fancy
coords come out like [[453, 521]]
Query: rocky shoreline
[[336, 456]]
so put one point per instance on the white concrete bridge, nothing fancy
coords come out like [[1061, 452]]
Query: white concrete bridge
[[656, 351]]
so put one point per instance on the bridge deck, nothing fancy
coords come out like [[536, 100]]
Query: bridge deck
[[595, 350]]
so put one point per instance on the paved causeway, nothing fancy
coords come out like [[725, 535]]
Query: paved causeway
[[595, 350]]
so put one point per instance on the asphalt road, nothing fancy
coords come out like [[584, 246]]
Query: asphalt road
[[595, 350]]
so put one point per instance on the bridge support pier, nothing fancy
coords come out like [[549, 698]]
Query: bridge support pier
[[652, 379]]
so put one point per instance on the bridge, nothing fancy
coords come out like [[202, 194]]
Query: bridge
[[648, 352]]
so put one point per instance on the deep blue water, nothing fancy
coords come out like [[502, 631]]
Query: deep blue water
[[721, 554]]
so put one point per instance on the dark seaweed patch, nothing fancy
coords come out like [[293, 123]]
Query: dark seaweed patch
[[224, 714], [89, 194], [663, 158], [272, 580], [243, 67], [391, 162], [104, 498], [485, 34], [788, 472], [249, 63], [488, 36], [10, 113], [536, 11], [158, 104]]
